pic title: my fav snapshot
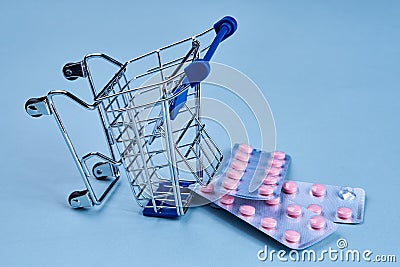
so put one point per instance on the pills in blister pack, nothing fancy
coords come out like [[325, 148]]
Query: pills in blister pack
[[336, 203], [284, 220], [244, 157], [253, 174]]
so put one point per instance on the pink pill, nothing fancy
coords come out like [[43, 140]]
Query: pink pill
[[242, 156], [227, 199], [344, 213], [230, 184], [234, 174], [293, 211], [274, 201], [268, 223], [277, 163], [318, 190], [314, 208], [266, 190], [317, 222], [239, 165], [292, 236], [278, 155], [289, 187], [273, 171], [245, 148], [247, 210], [270, 180], [208, 189]]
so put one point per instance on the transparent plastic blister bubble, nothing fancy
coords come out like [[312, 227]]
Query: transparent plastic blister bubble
[[340, 204], [253, 174], [282, 219]]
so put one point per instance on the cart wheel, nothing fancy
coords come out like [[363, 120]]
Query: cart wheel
[[37, 107], [31, 108], [103, 170], [72, 71], [98, 172], [71, 78], [73, 199]]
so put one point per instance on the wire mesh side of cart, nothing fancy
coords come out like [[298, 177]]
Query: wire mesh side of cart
[[153, 128], [161, 156]]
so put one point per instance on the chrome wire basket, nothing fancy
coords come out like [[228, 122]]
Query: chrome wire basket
[[150, 113]]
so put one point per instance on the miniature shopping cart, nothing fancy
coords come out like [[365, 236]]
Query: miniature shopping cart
[[150, 114]]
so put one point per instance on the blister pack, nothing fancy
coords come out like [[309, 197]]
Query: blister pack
[[337, 203], [253, 174], [280, 218], [244, 156]]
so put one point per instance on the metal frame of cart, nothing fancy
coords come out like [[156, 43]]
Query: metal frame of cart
[[150, 114]]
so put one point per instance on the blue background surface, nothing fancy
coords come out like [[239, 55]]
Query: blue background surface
[[329, 69]]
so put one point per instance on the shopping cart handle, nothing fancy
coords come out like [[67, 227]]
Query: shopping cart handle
[[198, 70], [224, 28]]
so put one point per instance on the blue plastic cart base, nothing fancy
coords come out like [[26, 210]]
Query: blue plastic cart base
[[169, 211]]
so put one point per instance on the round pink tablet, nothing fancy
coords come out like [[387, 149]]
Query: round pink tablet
[[274, 201], [242, 156], [277, 163], [344, 213], [234, 174], [208, 189], [273, 171], [245, 148], [270, 180], [266, 190], [314, 208], [239, 165], [293, 211], [247, 210], [317, 222], [292, 236], [278, 155], [230, 184], [289, 187], [268, 223], [227, 199], [318, 190]]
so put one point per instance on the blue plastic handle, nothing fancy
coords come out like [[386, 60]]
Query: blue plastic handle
[[224, 28], [199, 69]]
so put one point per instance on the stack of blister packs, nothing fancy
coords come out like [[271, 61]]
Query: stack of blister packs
[[297, 214]]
